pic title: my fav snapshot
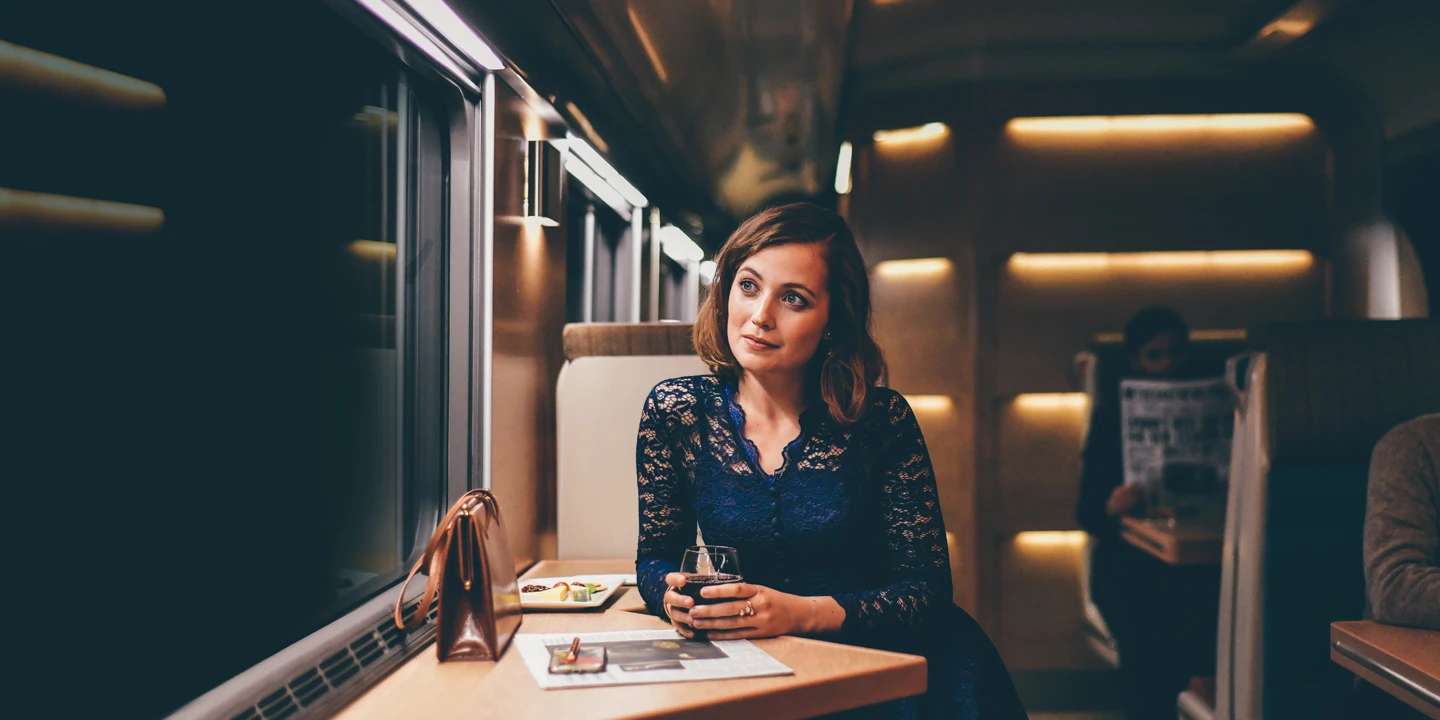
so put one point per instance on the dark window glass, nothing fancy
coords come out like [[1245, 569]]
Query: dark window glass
[[228, 398]]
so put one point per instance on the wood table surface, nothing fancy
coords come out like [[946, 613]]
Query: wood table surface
[[1404, 662], [828, 677], [1177, 542]]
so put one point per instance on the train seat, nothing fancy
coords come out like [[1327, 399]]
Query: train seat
[[1313, 405], [608, 372]]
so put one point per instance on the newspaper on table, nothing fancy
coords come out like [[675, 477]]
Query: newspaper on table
[[647, 656], [1176, 440]]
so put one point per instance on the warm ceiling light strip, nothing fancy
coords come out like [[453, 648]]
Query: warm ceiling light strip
[[1198, 259], [1159, 123], [1051, 401], [649, 46], [1050, 538], [913, 268], [911, 134]]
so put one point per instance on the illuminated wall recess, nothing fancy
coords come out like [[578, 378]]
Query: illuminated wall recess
[[930, 403], [1050, 539], [1051, 401], [1198, 260], [920, 268], [1195, 335], [1135, 124], [928, 131]]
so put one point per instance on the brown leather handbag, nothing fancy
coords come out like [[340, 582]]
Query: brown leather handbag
[[472, 573]]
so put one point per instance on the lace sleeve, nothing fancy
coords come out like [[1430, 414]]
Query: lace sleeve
[[915, 533], [667, 521]]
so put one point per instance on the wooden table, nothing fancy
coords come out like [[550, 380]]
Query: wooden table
[[1404, 662], [828, 677], [1177, 542]]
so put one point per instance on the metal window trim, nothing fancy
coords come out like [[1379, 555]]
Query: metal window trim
[[468, 80], [241, 691], [460, 334], [484, 295]]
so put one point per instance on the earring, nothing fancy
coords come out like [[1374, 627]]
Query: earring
[[827, 334]]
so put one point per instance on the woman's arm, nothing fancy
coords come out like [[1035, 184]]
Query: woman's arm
[[914, 534], [667, 521], [1101, 471], [1402, 550]]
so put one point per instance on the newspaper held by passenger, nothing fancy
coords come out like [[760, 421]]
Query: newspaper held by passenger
[[1176, 441], [648, 656]]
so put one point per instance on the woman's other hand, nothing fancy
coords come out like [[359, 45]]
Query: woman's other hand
[[678, 606], [774, 613], [1123, 500]]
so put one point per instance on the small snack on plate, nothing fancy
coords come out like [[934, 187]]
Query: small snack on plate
[[572, 591]]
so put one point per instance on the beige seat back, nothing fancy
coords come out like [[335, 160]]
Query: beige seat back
[[609, 370]]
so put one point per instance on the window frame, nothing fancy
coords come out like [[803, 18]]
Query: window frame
[[463, 326]]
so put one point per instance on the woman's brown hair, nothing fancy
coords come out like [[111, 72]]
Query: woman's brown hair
[[848, 363]]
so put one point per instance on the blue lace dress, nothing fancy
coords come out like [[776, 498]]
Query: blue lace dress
[[851, 513]]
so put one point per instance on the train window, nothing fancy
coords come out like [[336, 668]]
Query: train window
[[249, 356]]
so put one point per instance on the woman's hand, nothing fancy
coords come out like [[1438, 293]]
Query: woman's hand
[[1123, 500], [678, 606], [774, 612]]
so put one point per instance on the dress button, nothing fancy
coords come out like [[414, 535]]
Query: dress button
[[775, 506], [777, 534], [775, 523]]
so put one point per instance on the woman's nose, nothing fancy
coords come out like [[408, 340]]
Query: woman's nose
[[761, 316]]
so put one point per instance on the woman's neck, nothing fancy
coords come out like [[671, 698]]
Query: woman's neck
[[769, 398]]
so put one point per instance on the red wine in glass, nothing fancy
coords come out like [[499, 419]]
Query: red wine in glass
[[705, 566], [694, 582]]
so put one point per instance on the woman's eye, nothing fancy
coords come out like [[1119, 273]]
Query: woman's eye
[[747, 285], [795, 299]]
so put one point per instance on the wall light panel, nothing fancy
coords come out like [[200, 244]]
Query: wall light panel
[[1217, 334], [1050, 539], [912, 134], [930, 403], [1091, 124], [918, 268], [842, 169], [1051, 401], [1200, 260]]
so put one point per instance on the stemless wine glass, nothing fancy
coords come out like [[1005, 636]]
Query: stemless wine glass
[[706, 565]]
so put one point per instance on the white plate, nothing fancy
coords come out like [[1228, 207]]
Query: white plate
[[611, 583]]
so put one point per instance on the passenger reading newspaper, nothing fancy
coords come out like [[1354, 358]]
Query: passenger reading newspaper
[[1163, 617]]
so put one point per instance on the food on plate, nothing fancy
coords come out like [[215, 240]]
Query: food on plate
[[563, 591], [554, 594]]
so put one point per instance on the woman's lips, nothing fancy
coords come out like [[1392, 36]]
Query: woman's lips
[[755, 343]]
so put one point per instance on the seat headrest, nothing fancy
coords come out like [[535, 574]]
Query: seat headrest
[[612, 339], [1333, 388]]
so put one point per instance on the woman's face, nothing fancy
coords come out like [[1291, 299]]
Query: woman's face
[[1160, 357], [779, 308]]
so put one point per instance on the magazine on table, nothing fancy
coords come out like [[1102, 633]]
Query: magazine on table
[[646, 656]]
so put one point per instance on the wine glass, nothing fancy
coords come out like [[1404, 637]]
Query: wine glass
[[707, 565]]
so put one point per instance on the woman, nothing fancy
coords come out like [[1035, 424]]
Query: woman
[[1163, 617], [821, 480]]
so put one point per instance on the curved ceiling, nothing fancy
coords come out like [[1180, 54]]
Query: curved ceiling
[[747, 92]]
